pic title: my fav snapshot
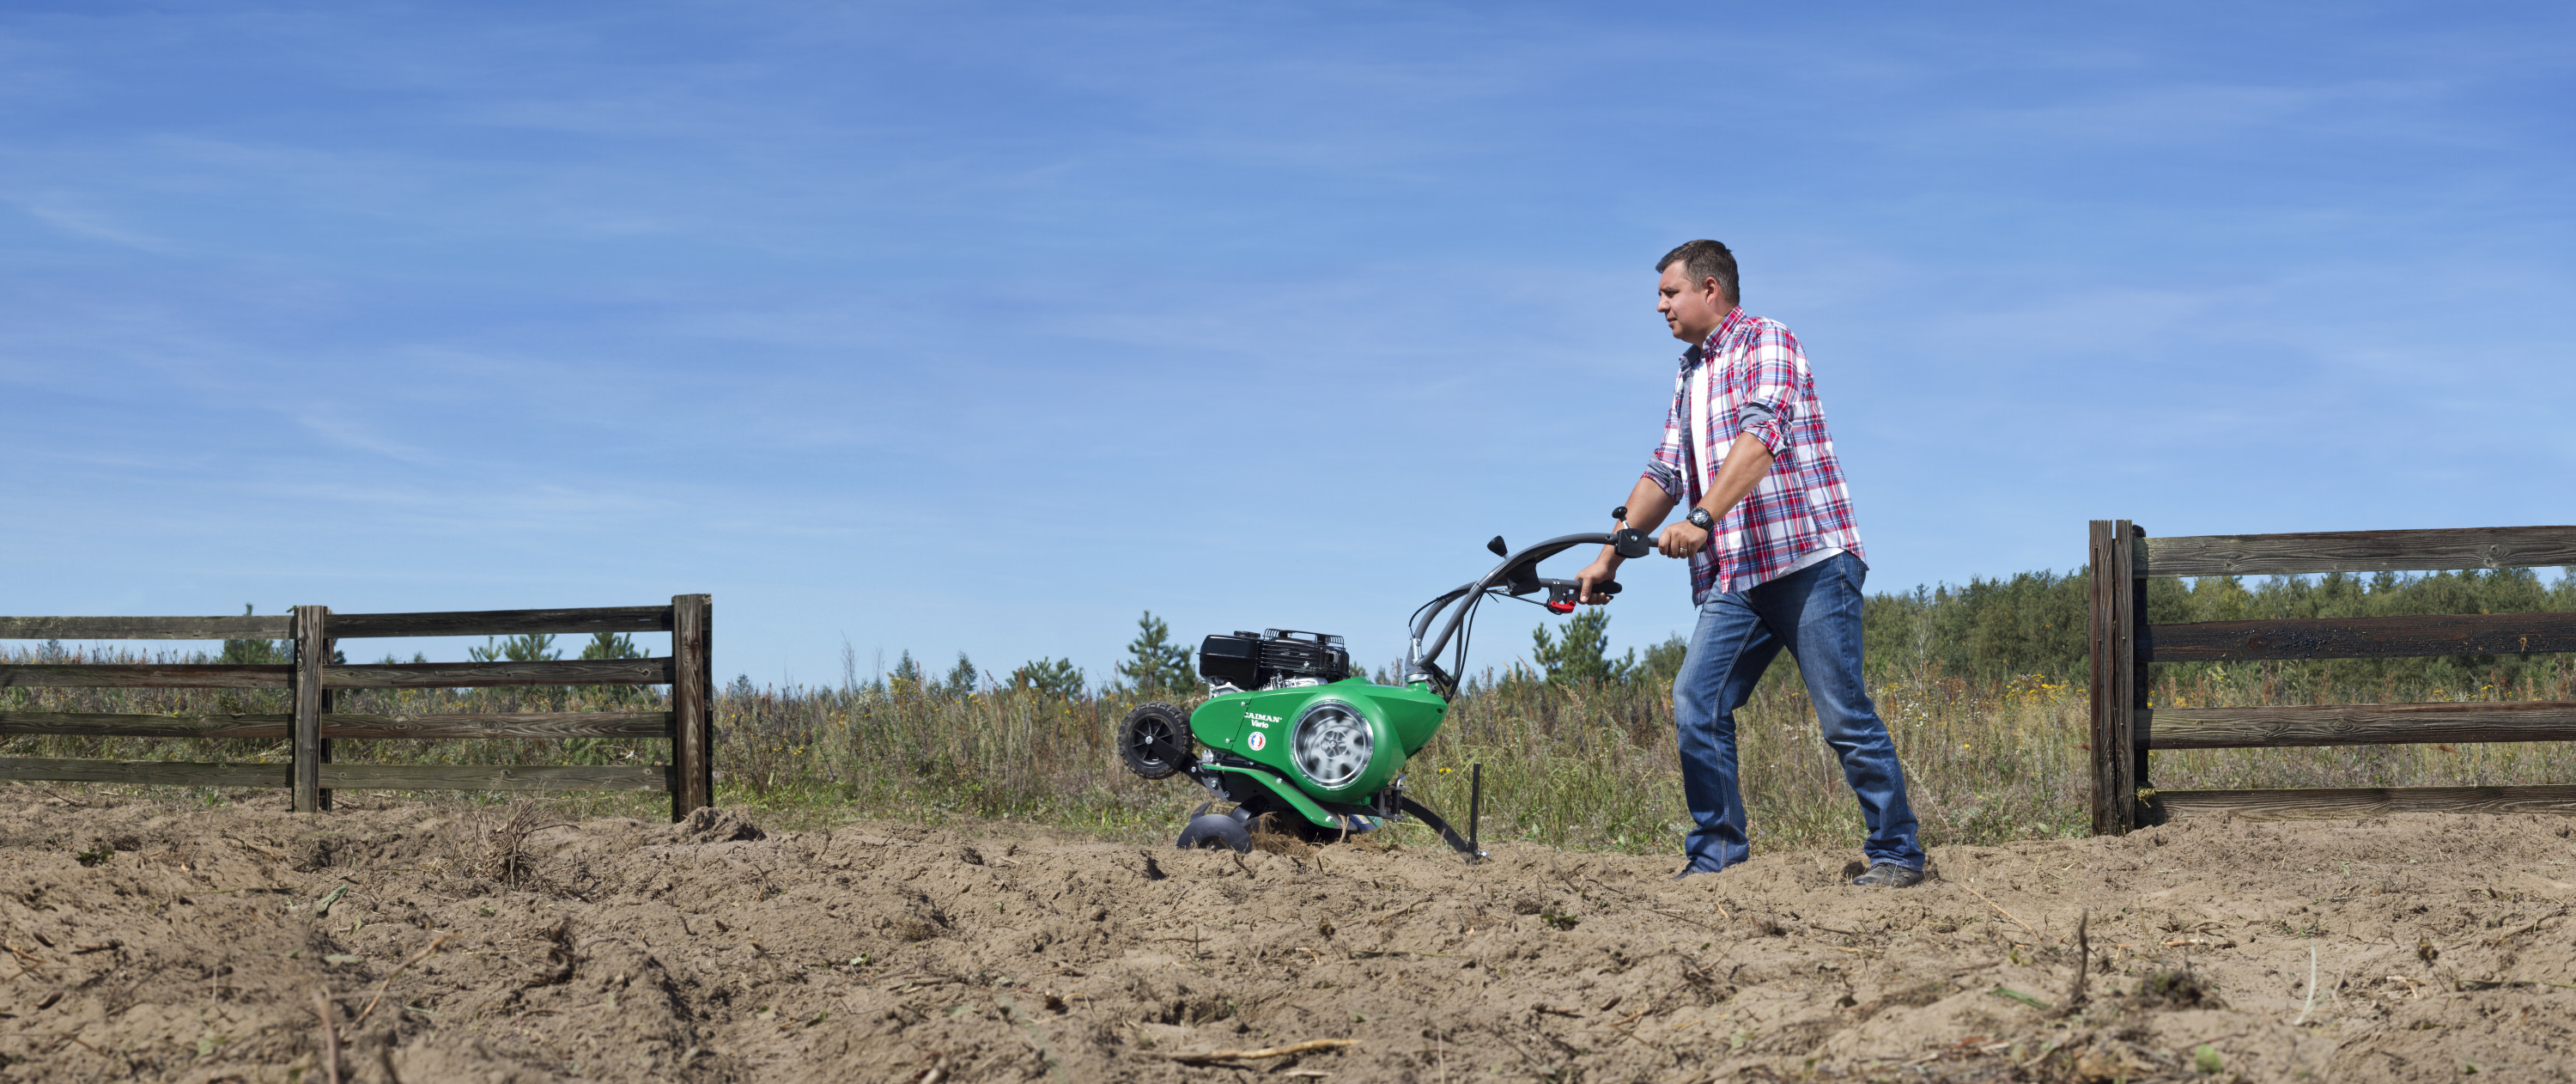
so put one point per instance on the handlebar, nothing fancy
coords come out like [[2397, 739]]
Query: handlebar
[[1563, 594], [1514, 574]]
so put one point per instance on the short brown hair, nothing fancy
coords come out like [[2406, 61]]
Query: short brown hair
[[1703, 260]]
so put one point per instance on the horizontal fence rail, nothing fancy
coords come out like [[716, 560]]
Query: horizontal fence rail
[[503, 622], [343, 626], [2360, 637], [2356, 551], [342, 776], [312, 725], [2353, 724], [406, 675], [446, 675], [147, 628], [2318, 803], [2125, 730], [555, 724]]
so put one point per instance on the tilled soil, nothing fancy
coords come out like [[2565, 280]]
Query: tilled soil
[[158, 940]]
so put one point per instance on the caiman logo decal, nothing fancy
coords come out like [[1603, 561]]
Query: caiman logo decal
[[1260, 720]]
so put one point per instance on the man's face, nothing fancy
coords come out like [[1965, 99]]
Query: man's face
[[1691, 309]]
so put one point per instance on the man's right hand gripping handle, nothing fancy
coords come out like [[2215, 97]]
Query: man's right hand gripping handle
[[1625, 542]]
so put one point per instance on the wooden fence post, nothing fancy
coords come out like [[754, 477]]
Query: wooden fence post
[[2134, 649], [2113, 602], [312, 653], [692, 704]]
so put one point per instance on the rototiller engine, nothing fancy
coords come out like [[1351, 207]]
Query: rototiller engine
[[1301, 744]]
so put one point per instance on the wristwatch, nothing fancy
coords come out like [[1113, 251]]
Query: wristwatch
[[1700, 518]]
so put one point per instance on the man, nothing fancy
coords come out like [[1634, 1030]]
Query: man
[[1775, 562]]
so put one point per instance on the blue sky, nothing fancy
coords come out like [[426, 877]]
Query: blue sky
[[986, 327]]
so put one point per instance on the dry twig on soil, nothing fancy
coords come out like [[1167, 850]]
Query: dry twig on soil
[[1308, 1046], [2084, 961], [330, 1039], [397, 973], [1999, 908]]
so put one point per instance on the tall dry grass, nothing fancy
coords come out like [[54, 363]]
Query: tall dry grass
[[1585, 766]]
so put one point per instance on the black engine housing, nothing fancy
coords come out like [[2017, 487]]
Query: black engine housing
[[1251, 661]]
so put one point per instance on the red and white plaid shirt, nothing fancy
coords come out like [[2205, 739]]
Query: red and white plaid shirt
[[1749, 376]]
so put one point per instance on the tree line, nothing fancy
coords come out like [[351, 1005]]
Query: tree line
[[1987, 632], [2036, 624]]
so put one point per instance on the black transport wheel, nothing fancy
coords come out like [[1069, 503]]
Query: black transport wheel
[[1154, 740]]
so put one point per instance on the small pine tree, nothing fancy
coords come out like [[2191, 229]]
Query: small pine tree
[[257, 652], [533, 647], [1582, 655], [1663, 661], [1154, 663], [1055, 677], [611, 645], [963, 678], [905, 679]]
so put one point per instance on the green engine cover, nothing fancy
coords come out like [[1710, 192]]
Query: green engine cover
[[1339, 742]]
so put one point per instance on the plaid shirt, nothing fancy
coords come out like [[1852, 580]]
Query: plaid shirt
[[1749, 376]]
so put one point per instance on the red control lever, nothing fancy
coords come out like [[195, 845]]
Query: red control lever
[[1561, 607]]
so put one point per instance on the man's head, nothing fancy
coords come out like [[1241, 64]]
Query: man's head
[[1698, 289]]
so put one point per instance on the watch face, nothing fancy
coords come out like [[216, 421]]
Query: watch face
[[1699, 518]]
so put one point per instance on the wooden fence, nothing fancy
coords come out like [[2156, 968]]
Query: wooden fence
[[313, 678], [2125, 730]]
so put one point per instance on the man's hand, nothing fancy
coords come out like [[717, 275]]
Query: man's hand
[[1603, 570], [1681, 540]]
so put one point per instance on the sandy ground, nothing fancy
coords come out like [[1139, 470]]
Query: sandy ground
[[160, 941]]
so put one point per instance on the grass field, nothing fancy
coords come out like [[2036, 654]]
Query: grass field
[[1582, 765]]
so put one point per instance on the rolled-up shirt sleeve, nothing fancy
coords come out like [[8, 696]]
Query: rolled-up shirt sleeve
[[1664, 467], [1771, 401]]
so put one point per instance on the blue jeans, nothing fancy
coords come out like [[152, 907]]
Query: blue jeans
[[1815, 613]]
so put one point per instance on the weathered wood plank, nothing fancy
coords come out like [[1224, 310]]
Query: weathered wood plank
[[106, 725], [340, 776], [2097, 605], [147, 675], [2113, 608], [169, 773], [312, 653], [2340, 802], [437, 675], [2354, 724], [2362, 637], [493, 777], [692, 704], [537, 724], [532, 724], [237, 627], [503, 622], [2358, 551]]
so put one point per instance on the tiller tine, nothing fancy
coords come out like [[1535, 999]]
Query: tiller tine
[[1212, 830]]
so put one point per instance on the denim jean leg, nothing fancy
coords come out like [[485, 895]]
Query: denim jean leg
[[1729, 649], [1818, 612]]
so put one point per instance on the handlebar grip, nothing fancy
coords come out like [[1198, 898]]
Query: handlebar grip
[[1606, 587]]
